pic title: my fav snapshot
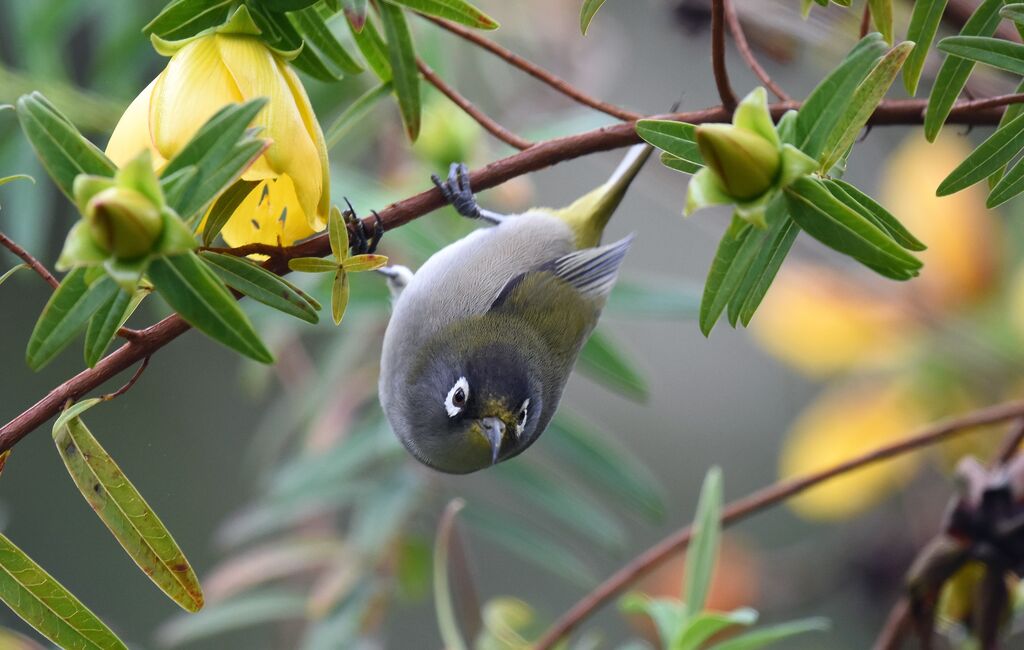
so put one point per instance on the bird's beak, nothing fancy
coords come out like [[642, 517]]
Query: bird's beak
[[494, 430]]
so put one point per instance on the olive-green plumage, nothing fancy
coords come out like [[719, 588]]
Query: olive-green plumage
[[484, 336]]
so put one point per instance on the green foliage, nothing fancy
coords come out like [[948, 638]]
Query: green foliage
[[924, 23], [47, 606], [72, 304], [123, 510], [587, 13], [405, 74], [251, 279]]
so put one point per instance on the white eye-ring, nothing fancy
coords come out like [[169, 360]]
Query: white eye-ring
[[457, 397], [524, 412]]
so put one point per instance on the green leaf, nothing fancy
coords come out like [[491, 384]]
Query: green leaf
[[881, 15], [668, 614], [924, 23], [995, 52], [355, 11], [997, 150], [587, 13], [355, 112], [224, 208], [66, 313], [769, 635], [362, 263], [1013, 11], [318, 37], [529, 544], [46, 605], [1011, 112], [402, 57], [258, 608], [183, 18], [604, 463], [63, 150], [772, 247], [373, 48], [602, 360], [198, 295], [567, 505], [954, 72], [831, 97], [834, 224], [312, 265], [875, 213], [705, 625], [251, 279], [702, 553], [104, 324], [220, 151], [1009, 186], [339, 295], [725, 273], [447, 623], [458, 11], [676, 138], [11, 271], [678, 164], [866, 97], [120, 506]]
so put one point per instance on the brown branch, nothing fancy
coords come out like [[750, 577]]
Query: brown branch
[[718, 67], [131, 382], [32, 262], [895, 627], [539, 156], [535, 71], [468, 108], [736, 29], [766, 498], [865, 20]]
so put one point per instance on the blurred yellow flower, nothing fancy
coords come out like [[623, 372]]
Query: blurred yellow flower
[[205, 73], [842, 423], [822, 322]]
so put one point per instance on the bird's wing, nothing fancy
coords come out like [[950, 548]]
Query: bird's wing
[[593, 271]]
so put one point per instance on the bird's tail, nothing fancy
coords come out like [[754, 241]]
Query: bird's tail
[[589, 214]]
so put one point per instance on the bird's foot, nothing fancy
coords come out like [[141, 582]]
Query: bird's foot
[[362, 242], [457, 191]]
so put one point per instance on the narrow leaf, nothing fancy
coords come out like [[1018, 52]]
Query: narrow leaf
[[402, 57], [373, 48], [66, 313], [717, 292], [954, 72], [924, 23], [251, 279], [192, 290], [676, 138], [875, 213], [120, 506], [355, 112], [705, 625], [587, 13], [766, 636], [104, 324], [995, 52], [702, 553], [355, 11], [11, 271], [224, 208], [320, 38], [339, 296], [257, 608], [458, 11], [312, 265], [444, 607], [881, 16], [771, 249], [602, 360], [46, 605], [996, 151], [1009, 186], [862, 104], [184, 18]]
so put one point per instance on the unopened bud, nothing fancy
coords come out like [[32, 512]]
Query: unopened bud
[[123, 222], [746, 163]]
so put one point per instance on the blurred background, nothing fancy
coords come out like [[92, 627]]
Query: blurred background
[[307, 523]]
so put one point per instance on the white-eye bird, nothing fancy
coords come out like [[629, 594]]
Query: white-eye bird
[[483, 337]]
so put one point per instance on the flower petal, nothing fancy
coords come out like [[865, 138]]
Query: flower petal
[[271, 214], [841, 424], [131, 136], [319, 217]]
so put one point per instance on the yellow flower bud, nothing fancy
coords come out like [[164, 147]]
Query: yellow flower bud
[[745, 162], [123, 222], [228, 65]]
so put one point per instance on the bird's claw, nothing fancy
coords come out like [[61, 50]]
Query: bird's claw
[[457, 191], [361, 242]]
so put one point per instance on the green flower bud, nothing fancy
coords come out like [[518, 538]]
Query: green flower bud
[[123, 222], [745, 162]]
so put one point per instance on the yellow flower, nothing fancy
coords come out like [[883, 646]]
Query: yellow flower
[[843, 423], [205, 73]]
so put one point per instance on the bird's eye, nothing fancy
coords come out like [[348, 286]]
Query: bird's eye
[[524, 412], [457, 397]]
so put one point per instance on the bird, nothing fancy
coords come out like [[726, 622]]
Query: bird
[[484, 335]]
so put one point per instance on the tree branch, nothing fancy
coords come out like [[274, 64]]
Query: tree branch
[[718, 67], [541, 155], [32, 262], [468, 108], [766, 498], [535, 71], [895, 627], [736, 29]]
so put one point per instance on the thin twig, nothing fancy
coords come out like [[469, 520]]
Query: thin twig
[[736, 29], [763, 499], [1008, 449], [718, 66], [131, 382], [534, 70], [541, 155], [27, 257], [895, 627], [468, 108]]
